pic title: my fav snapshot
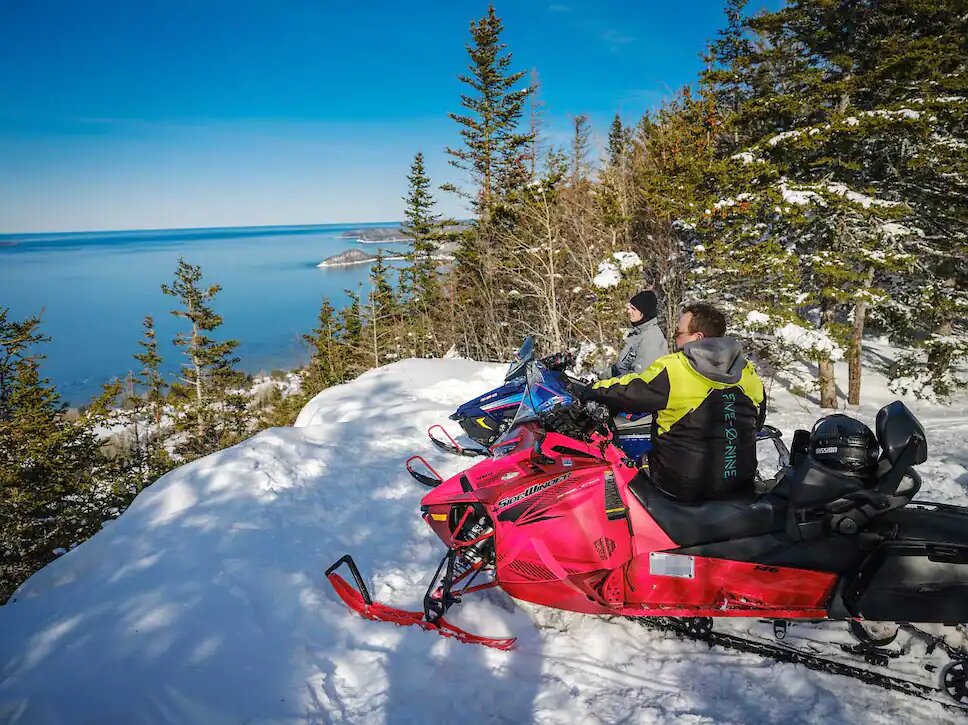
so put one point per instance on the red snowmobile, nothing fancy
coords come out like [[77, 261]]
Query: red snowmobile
[[557, 517]]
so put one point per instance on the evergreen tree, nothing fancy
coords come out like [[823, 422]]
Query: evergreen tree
[[17, 341], [48, 463], [423, 227], [216, 414], [581, 166], [618, 142], [326, 365], [352, 338], [495, 152], [150, 376], [535, 114], [420, 286], [383, 326], [848, 140]]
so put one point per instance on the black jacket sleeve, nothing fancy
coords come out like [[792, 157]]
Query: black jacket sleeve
[[645, 392], [761, 414]]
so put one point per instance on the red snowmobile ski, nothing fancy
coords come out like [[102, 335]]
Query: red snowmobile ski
[[558, 517]]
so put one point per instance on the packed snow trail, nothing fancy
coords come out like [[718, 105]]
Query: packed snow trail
[[206, 602]]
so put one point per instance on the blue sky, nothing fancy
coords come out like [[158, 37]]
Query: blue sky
[[176, 113]]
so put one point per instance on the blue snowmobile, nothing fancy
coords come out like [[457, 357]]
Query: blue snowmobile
[[487, 416]]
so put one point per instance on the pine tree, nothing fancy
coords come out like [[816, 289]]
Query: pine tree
[[536, 120], [672, 158], [216, 415], [150, 376], [352, 338], [383, 325], [725, 76], [17, 342], [423, 227], [495, 152], [326, 365], [618, 142], [420, 285], [48, 463], [581, 165], [837, 163]]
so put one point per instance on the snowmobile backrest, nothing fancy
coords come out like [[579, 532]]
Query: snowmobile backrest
[[811, 484], [900, 434]]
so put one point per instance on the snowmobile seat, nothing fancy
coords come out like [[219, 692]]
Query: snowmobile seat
[[824, 501], [690, 524]]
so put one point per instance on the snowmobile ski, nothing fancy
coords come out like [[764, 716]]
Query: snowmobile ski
[[358, 599], [452, 446], [430, 480]]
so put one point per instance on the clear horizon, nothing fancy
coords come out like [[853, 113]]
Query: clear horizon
[[51, 232], [120, 116]]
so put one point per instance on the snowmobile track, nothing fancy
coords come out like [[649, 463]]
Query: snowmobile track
[[781, 653]]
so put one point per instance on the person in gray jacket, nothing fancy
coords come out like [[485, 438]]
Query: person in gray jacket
[[645, 342]]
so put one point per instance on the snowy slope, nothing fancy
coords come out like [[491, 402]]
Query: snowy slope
[[206, 602]]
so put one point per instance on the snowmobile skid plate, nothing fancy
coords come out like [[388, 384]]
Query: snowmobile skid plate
[[358, 599], [449, 445]]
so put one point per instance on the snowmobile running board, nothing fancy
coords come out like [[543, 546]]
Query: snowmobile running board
[[699, 629], [358, 599], [428, 481], [452, 446]]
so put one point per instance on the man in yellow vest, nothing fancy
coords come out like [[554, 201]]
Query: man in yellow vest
[[709, 402]]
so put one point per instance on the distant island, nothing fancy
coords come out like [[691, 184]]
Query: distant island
[[373, 235], [377, 234], [351, 257]]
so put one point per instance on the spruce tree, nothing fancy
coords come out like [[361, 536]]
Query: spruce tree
[[326, 365], [581, 165], [216, 414], [848, 152], [48, 463], [495, 151], [420, 286], [150, 376], [352, 338], [423, 228]]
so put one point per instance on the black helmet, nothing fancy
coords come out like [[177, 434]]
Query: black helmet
[[844, 444]]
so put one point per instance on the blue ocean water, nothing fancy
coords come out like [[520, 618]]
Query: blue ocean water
[[94, 288]]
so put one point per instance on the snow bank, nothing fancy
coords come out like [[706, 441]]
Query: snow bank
[[206, 602]]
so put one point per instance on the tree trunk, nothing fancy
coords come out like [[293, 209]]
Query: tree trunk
[[199, 398], [828, 382], [856, 346]]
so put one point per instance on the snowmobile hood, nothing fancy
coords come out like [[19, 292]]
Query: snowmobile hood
[[717, 358]]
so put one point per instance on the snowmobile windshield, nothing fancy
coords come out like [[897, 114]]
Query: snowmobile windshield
[[543, 393], [521, 358]]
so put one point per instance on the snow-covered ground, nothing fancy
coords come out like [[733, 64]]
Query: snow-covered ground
[[206, 602]]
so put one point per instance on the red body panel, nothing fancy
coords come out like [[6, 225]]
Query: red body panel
[[556, 546]]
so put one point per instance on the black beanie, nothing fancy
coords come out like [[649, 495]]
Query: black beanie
[[646, 303]]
